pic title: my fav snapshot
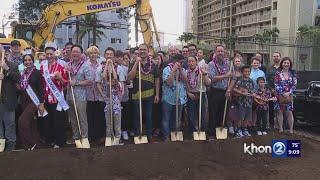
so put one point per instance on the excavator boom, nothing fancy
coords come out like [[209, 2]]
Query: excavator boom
[[64, 9]]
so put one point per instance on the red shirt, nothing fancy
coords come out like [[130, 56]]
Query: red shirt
[[55, 67]]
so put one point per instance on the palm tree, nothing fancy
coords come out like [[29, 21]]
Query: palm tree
[[268, 35], [229, 41], [265, 38], [91, 25]]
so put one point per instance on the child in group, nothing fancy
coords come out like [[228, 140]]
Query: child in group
[[264, 95], [244, 87]]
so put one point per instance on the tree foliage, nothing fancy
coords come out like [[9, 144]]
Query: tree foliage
[[186, 37], [31, 9], [308, 33], [91, 24]]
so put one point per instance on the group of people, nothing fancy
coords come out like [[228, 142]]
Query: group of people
[[95, 97]]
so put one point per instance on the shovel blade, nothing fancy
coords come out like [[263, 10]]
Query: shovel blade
[[85, 143], [78, 143], [116, 141], [140, 140], [221, 133], [2, 144], [199, 136], [176, 136], [108, 142]]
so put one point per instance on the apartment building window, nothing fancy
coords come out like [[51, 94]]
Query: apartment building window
[[274, 21], [115, 41], [59, 41], [70, 26], [70, 39], [275, 5], [59, 26]]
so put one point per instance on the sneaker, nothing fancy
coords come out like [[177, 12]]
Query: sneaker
[[125, 135], [264, 133], [56, 147], [239, 134], [69, 142], [231, 130], [246, 133], [259, 133]]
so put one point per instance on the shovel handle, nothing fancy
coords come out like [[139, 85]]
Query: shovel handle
[[140, 99], [110, 97], [227, 100], [200, 102], [177, 100], [1, 70], [75, 105]]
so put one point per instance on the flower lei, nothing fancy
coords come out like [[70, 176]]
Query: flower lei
[[75, 70], [147, 68], [25, 78], [193, 80], [222, 69]]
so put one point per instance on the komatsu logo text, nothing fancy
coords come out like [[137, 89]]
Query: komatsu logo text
[[103, 5]]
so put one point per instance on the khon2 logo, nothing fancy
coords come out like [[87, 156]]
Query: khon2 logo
[[279, 148]]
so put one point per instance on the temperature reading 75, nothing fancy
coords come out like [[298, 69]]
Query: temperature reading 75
[[294, 145]]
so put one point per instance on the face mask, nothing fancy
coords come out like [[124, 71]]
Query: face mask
[[27, 51]]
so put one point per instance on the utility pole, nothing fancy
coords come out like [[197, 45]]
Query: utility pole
[[221, 6]]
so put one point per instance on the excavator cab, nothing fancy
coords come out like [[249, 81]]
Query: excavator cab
[[23, 30]]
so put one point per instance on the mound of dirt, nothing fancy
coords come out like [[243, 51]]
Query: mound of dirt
[[173, 160]]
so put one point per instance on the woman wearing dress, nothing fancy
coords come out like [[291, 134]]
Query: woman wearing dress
[[285, 84], [32, 102]]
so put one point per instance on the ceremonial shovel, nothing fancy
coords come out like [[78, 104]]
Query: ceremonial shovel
[[80, 143], [140, 139], [222, 132], [2, 141], [110, 140], [200, 135], [177, 135]]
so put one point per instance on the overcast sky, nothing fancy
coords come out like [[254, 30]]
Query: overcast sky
[[168, 15]]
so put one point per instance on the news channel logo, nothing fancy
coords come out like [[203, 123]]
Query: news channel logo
[[286, 148], [278, 149]]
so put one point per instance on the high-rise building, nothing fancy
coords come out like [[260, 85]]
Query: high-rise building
[[213, 19], [187, 16], [115, 32]]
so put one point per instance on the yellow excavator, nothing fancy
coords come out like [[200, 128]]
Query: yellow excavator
[[64, 9]]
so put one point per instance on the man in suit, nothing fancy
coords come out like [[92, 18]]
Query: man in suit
[[8, 102]]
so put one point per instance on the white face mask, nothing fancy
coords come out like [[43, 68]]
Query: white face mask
[[27, 51]]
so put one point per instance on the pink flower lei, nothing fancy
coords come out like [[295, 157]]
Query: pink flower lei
[[193, 80]]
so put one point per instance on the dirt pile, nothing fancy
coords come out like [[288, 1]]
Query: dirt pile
[[186, 160]]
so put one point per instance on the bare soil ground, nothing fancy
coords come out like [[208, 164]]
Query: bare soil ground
[[173, 160]]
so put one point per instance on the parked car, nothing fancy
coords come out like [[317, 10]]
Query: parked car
[[307, 104]]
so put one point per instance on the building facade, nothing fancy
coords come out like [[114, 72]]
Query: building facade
[[213, 19], [115, 29], [187, 16]]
